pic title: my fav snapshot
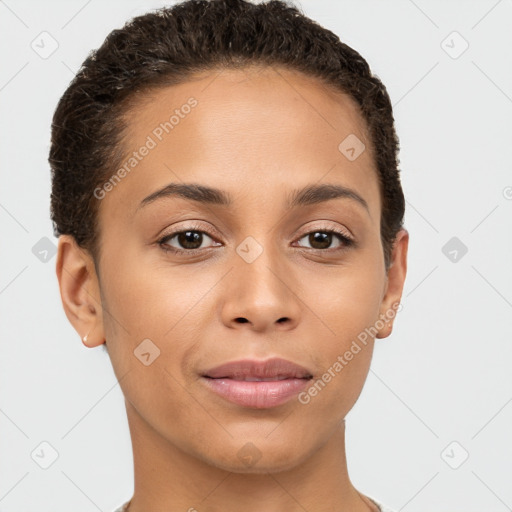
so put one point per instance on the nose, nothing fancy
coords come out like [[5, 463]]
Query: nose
[[262, 294]]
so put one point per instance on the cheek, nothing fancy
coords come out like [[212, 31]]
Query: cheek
[[346, 304], [156, 301], [346, 299], [343, 356], [146, 297]]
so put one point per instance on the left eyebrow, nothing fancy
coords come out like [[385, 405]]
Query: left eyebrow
[[311, 194]]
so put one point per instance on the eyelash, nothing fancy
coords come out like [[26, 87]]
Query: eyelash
[[346, 242]]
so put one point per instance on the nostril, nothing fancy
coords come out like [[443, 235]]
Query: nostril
[[242, 320]]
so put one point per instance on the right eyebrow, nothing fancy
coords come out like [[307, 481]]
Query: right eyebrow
[[192, 191]]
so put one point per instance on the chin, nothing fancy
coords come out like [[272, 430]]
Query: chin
[[250, 460]]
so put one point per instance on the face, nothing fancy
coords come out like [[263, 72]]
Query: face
[[283, 259]]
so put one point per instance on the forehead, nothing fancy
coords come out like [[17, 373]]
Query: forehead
[[230, 99], [251, 131]]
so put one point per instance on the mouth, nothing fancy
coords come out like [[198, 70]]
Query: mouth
[[253, 379], [257, 384], [255, 370]]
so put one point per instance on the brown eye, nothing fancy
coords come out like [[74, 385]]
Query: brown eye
[[322, 239], [185, 240], [189, 239]]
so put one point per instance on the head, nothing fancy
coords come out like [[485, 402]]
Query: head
[[226, 185]]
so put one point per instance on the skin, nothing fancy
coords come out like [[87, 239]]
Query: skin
[[258, 134]]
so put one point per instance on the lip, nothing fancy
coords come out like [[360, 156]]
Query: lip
[[283, 380]]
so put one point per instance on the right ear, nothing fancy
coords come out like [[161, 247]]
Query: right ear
[[80, 291]]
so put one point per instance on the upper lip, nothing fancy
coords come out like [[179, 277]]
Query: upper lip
[[274, 367]]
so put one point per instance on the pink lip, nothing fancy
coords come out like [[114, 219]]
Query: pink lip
[[227, 380]]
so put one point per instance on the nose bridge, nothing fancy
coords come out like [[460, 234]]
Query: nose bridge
[[261, 286]]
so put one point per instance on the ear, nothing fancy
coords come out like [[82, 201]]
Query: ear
[[397, 271], [79, 291]]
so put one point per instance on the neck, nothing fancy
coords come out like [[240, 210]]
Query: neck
[[166, 478]]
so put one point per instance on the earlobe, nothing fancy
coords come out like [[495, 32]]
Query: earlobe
[[395, 283], [386, 330], [91, 339], [79, 291]]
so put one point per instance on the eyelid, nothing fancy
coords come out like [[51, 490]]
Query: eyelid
[[191, 225], [332, 226]]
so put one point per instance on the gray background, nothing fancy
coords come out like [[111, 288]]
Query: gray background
[[440, 388]]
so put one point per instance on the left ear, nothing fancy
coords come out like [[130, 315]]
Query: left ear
[[395, 283]]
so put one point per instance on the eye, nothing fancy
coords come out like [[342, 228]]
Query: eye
[[187, 240], [322, 239]]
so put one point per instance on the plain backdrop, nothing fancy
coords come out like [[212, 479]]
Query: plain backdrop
[[431, 430]]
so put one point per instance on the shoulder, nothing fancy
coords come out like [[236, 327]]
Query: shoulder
[[382, 507], [123, 507]]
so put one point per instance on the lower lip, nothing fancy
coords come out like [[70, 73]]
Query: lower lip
[[257, 394]]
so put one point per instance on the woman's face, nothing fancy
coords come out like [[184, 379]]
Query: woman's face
[[258, 275]]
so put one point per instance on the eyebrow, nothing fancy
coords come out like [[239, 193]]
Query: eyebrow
[[311, 194]]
